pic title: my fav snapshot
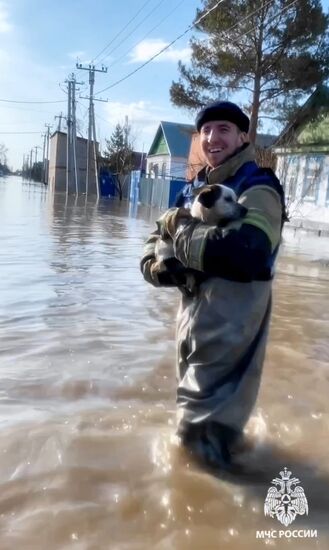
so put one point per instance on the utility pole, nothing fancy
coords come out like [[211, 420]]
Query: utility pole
[[31, 153], [48, 126], [44, 136], [25, 167], [91, 124], [36, 147], [71, 155], [74, 135], [59, 127], [142, 161], [68, 137]]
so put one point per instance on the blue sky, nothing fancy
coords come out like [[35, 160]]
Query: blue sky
[[40, 42]]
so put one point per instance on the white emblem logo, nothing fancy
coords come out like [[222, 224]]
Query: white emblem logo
[[286, 500]]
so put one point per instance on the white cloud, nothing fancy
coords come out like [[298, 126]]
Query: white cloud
[[144, 118], [139, 112], [148, 48], [5, 26]]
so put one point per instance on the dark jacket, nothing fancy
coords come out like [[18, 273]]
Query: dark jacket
[[243, 254]]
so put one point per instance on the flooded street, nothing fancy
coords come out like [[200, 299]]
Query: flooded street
[[87, 409]]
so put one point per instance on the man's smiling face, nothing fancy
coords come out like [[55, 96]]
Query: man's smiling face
[[219, 139]]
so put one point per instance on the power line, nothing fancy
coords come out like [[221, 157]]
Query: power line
[[20, 123], [103, 119], [120, 31], [15, 133], [14, 108], [81, 119], [148, 33], [82, 106], [133, 30], [188, 29], [37, 102], [163, 49]]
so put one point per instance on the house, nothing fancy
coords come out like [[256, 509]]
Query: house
[[302, 152], [168, 154]]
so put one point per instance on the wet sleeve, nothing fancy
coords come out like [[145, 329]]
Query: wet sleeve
[[241, 254], [168, 273], [148, 260], [264, 212]]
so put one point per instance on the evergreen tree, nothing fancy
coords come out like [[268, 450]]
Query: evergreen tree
[[119, 151], [119, 154], [277, 51]]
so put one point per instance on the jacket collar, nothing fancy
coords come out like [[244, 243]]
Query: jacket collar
[[231, 165]]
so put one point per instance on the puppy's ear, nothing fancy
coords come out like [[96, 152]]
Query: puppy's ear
[[209, 196]]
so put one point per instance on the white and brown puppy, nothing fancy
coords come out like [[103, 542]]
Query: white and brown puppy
[[214, 204], [217, 204]]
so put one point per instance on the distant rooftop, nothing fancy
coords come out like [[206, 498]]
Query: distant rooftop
[[177, 137]]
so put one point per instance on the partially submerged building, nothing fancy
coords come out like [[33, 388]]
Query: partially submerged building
[[57, 178]]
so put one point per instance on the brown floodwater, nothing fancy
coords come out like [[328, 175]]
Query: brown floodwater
[[87, 404]]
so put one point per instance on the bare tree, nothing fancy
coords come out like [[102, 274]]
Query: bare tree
[[3, 154]]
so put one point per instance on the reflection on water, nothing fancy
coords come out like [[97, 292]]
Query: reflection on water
[[87, 454]]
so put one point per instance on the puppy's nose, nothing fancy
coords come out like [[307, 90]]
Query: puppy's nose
[[242, 210]]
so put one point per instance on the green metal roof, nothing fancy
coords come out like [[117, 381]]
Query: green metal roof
[[177, 138]]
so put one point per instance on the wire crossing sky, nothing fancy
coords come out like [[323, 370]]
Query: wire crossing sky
[[126, 36]]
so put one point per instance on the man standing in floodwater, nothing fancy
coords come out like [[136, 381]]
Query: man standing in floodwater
[[222, 330]]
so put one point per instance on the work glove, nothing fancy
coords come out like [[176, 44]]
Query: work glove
[[169, 272], [170, 221]]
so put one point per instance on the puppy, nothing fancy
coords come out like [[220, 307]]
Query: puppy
[[217, 204], [214, 204]]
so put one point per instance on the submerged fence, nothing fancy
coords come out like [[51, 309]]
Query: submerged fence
[[159, 192]]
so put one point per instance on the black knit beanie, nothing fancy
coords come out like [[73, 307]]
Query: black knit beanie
[[223, 110]]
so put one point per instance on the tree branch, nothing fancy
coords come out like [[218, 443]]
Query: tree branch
[[278, 119]]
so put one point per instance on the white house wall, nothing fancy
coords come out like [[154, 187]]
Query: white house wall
[[159, 161], [301, 208], [175, 167], [178, 167]]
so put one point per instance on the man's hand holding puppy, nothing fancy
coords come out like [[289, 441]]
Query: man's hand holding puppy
[[170, 221], [167, 269], [160, 267]]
